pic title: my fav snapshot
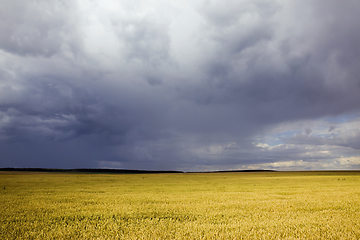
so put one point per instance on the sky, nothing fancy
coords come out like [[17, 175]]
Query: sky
[[192, 85]]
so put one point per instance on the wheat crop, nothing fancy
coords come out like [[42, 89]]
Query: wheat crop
[[264, 205]]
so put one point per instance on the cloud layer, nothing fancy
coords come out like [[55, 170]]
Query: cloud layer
[[194, 85]]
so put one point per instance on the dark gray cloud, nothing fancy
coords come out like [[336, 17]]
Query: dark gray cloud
[[193, 86]]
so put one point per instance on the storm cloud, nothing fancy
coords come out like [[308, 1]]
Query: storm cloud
[[190, 85]]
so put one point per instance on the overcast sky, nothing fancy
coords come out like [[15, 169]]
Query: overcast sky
[[190, 85]]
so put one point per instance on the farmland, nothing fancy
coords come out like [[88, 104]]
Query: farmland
[[257, 205]]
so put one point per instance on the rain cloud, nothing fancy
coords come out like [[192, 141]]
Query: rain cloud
[[191, 85]]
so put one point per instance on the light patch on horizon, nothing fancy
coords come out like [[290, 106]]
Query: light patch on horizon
[[320, 147]]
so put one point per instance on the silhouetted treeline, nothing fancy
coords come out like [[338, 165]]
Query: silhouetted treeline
[[254, 170], [85, 170], [99, 170]]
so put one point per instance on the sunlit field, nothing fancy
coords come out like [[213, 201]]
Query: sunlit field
[[262, 205]]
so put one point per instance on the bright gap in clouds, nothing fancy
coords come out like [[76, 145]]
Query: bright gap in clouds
[[330, 143], [190, 85]]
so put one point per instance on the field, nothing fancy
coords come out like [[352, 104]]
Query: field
[[262, 205]]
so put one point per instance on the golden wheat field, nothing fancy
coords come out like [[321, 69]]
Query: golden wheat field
[[260, 205]]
